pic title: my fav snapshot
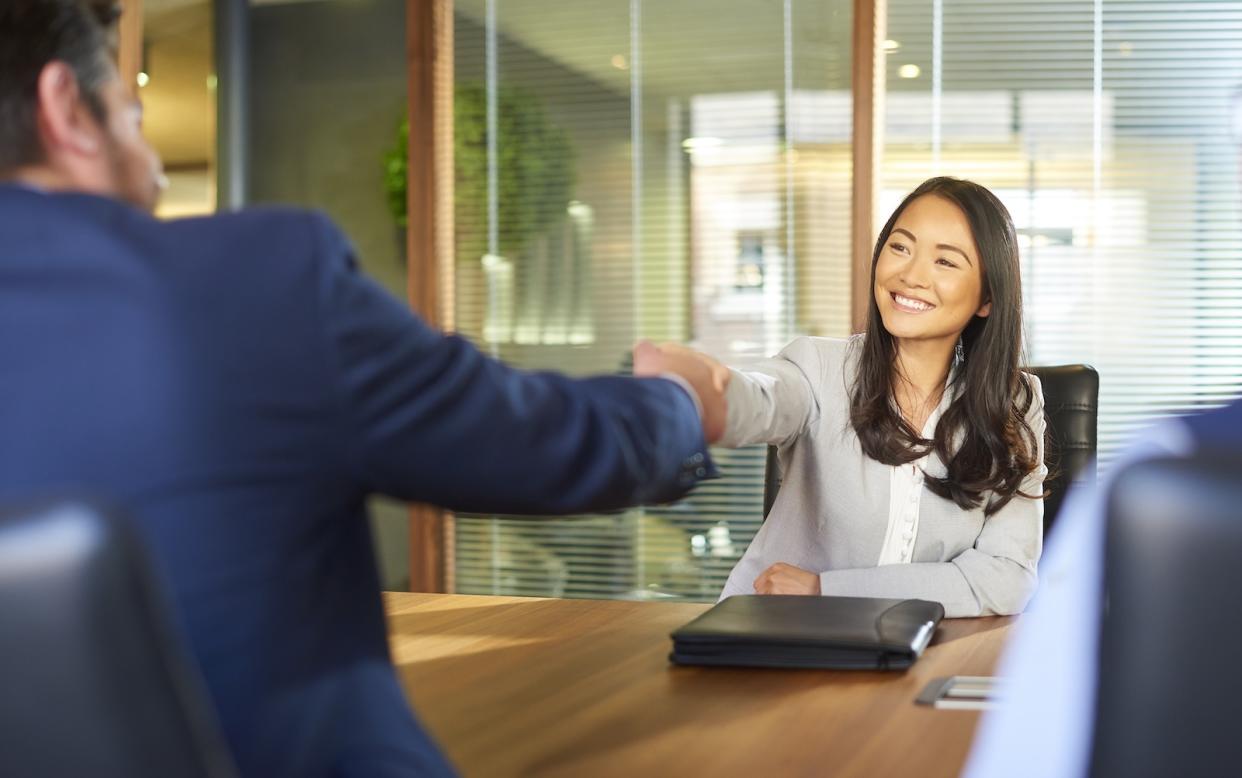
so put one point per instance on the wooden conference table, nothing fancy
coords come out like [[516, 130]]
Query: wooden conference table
[[521, 686]]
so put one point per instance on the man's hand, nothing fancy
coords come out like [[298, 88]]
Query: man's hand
[[781, 578], [706, 376]]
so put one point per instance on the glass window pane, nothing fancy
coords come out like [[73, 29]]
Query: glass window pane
[[672, 170]]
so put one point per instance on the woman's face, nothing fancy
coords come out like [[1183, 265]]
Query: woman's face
[[928, 279]]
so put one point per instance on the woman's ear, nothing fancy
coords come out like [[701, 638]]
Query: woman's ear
[[984, 309]]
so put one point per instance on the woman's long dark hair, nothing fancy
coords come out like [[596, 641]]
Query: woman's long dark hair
[[982, 438]]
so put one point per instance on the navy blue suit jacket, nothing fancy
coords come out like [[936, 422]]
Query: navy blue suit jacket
[[241, 388]]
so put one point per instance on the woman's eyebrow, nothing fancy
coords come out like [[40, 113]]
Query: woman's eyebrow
[[951, 247]]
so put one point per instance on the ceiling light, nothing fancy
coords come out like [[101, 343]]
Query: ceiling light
[[143, 79], [909, 71], [618, 62], [701, 144], [890, 46]]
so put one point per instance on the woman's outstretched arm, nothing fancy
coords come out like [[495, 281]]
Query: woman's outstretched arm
[[774, 401]]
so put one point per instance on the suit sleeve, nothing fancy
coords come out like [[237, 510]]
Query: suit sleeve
[[995, 577], [427, 417]]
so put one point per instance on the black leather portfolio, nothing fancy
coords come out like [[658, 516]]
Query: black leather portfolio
[[810, 631]]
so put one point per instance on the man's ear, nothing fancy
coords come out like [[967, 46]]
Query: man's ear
[[66, 123]]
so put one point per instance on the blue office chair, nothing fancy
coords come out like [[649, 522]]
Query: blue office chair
[[94, 680], [1169, 686], [1071, 409]]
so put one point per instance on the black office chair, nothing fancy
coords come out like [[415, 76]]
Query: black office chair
[[772, 478], [1168, 686], [94, 681], [1071, 408]]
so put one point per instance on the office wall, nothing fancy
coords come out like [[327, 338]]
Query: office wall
[[328, 89]]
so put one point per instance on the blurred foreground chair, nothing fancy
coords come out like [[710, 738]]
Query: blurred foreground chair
[[94, 679], [1071, 409], [1169, 685]]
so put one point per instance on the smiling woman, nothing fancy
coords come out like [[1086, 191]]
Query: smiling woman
[[912, 453]]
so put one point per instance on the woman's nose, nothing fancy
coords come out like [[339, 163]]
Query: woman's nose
[[914, 274]]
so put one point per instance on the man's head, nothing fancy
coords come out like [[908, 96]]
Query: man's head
[[67, 122]]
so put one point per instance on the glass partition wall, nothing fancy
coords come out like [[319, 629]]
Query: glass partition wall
[[677, 171], [1110, 130]]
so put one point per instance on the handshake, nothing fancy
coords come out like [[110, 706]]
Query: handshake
[[707, 377]]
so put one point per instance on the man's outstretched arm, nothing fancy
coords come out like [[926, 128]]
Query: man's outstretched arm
[[430, 418]]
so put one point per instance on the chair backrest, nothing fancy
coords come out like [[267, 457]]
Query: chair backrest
[[1168, 686], [94, 680], [1071, 409], [772, 477]]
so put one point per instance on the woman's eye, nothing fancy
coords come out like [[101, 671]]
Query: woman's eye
[[898, 247], [945, 262]]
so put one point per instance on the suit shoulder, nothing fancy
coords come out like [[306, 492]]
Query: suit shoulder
[[266, 238], [262, 224]]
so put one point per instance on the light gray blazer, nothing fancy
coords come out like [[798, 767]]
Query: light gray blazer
[[831, 513]]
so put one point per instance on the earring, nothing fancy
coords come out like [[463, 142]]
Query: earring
[[959, 353]]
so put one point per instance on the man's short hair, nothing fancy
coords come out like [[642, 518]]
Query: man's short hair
[[34, 33]]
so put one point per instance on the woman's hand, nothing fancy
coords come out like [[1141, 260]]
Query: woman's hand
[[781, 578]]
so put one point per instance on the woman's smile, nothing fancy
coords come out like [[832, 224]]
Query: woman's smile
[[907, 304]]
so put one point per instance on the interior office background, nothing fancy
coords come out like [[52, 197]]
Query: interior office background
[[681, 170]]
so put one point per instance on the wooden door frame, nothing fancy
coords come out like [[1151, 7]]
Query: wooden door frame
[[429, 59], [868, 90]]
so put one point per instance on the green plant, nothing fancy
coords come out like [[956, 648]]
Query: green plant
[[534, 167], [396, 175]]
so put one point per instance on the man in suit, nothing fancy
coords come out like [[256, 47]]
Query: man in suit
[[241, 388]]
